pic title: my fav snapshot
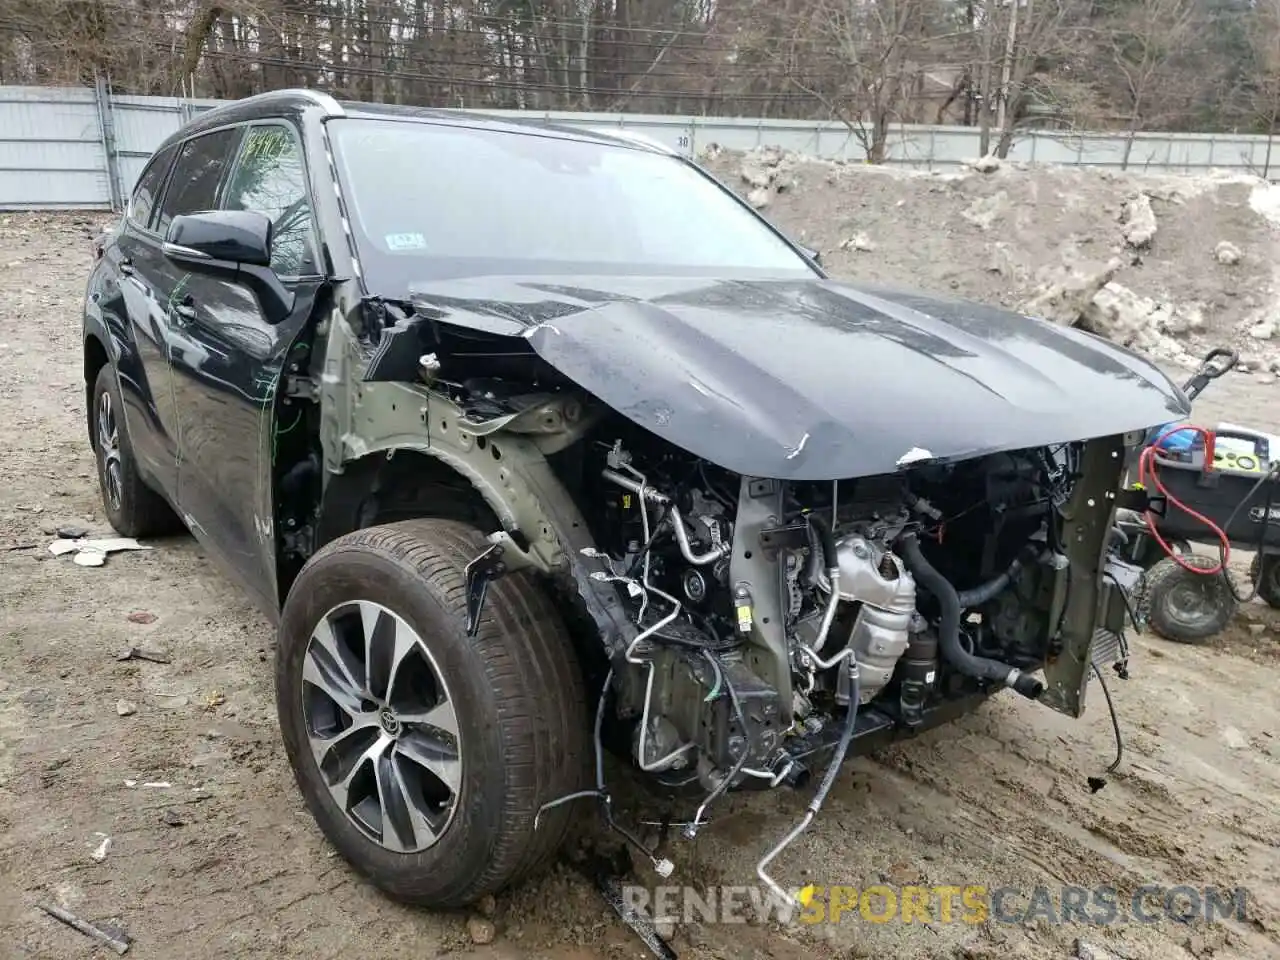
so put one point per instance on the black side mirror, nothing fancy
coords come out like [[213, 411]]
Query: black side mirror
[[814, 255], [236, 245]]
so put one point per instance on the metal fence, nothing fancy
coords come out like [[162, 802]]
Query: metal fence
[[74, 148]]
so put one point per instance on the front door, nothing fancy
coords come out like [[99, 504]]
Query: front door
[[228, 363]]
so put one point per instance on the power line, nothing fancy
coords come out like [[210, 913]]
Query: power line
[[530, 88], [490, 29], [721, 72]]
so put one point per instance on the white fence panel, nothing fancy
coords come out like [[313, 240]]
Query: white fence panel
[[71, 147]]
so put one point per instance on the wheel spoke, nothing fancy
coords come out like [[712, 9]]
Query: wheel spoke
[[356, 761], [438, 758], [327, 667], [388, 643], [340, 755], [440, 717], [405, 828]]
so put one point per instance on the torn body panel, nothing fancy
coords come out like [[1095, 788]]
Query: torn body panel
[[543, 528]]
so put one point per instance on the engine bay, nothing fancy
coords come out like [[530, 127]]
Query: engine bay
[[765, 609]]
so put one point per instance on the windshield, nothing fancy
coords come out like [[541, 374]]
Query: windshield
[[438, 201]]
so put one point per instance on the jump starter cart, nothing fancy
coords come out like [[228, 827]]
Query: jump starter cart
[[1222, 489]]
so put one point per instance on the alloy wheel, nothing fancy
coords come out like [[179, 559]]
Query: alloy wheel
[[382, 726], [109, 451]]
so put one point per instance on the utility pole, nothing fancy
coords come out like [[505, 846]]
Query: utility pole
[[984, 90], [1007, 69]]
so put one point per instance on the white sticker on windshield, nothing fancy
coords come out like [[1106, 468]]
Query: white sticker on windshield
[[405, 241]]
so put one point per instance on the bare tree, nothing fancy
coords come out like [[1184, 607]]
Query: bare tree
[[1263, 93], [863, 61], [1144, 41], [1021, 38]]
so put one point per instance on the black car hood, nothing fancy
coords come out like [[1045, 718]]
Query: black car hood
[[816, 379]]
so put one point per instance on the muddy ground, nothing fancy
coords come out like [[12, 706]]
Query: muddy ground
[[222, 861]]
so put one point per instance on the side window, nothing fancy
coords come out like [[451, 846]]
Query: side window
[[147, 190], [194, 184], [269, 178]]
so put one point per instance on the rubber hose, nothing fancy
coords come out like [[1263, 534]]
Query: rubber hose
[[826, 538], [984, 592], [981, 668]]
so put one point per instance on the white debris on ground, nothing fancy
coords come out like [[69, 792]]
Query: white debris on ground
[[1167, 265], [93, 553], [1139, 222]]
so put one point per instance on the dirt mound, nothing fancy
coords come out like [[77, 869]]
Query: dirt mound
[[1168, 265]]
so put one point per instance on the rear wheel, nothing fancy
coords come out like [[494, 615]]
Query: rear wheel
[[133, 508], [1264, 573], [425, 754], [1185, 606]]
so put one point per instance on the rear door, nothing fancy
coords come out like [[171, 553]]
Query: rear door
[[145, 387]]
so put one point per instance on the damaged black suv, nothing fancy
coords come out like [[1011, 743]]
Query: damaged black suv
[[539, 442]]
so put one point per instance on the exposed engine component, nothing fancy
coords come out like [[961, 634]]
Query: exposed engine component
[[775, 621], [875, 578]]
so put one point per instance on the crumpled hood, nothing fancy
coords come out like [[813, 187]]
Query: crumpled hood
[[816, 379]]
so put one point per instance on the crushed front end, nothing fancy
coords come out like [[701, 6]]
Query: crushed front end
[[783, 626]]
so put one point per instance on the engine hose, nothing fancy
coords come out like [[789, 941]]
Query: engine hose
[[826, 538], [967, 663], [983, 592]]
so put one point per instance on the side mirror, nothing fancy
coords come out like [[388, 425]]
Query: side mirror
[[235, 245], [814, 255]]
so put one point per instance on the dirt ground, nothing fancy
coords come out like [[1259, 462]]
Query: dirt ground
[[212, 854]]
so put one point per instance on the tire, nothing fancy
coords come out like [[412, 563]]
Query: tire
[[1187, 607], [1264, 574], [518, 711], [132, 507]]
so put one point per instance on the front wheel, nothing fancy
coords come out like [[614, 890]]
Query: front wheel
[[424, 754], [1185, 606]]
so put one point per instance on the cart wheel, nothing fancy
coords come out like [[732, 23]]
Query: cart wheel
[[1264, 573], [1184, 606]]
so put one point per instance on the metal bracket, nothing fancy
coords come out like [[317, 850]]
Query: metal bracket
[[1139, 501], [501, 557], [482, 571], [302, 387]]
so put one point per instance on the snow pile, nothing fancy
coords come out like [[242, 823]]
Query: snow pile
[[1167, 265]]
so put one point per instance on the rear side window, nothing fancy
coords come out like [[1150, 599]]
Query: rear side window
[[148, 188], [194, 184]]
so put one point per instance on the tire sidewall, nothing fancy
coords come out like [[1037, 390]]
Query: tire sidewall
[[1265, 573], [346, 574], [1166, 624]]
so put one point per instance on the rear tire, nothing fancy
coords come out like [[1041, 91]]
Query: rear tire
[[133, 508], [1187, 607], [449, 804]]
